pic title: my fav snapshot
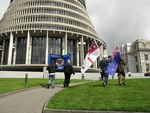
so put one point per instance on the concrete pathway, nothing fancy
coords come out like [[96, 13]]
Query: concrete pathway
[[28, 101]]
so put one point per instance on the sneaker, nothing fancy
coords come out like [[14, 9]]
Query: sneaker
[[104, 84], [123, 83], [64, 85], [48, 86]]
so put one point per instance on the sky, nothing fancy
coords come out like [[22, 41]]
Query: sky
[[116, 22]]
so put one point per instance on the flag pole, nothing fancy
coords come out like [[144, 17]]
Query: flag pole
[[82, 56]]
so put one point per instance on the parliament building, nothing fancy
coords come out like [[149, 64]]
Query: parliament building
[[30, 30]]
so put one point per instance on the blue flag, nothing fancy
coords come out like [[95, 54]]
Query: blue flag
[[60, 60], [114, 61]]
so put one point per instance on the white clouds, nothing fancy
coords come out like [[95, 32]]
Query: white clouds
[[3, 7], [120, 21]]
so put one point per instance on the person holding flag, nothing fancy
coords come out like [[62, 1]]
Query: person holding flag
[[109, 66], [121, 72], [114, 61], [91, 56], [103, 63]]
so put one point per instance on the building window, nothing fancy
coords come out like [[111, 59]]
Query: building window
[[38, 50], [0, 56], [21, 50], [136, 59], [55, 45], [137, 68], [72, 50], [134, 46], [1, 48], [6, 48], [147, 67], [146, 56]]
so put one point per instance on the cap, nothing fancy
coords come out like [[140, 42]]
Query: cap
[[104, 56]]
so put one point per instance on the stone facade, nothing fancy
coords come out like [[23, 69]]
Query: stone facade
[[137, 55]]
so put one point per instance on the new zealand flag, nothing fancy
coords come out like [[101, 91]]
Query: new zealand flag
[[114, 61]]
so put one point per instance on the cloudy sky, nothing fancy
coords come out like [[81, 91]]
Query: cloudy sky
[[115, 21]]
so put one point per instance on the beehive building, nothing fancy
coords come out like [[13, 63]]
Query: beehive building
[[30, 30]]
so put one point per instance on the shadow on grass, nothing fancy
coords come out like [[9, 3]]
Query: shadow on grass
[[43, 85], [101, 85]]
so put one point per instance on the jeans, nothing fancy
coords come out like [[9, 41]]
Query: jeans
[[51, 80], [105, 77]]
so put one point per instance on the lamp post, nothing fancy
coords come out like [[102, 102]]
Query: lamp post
[[82, 55]]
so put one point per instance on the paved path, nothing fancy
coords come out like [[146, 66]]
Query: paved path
[[28, 101]]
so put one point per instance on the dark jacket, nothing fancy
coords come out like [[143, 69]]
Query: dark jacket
[[121, 66], [103, 63], [68, 68], [51, 68]]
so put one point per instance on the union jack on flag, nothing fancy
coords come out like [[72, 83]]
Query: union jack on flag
[[93, 47], [114, 61], [115, 51]]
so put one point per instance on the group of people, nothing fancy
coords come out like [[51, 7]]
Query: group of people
[[120, 70], [68, 70]]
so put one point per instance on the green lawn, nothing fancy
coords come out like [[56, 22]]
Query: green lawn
[[134, 96]]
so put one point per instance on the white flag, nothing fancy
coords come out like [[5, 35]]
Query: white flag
[[91, 56]]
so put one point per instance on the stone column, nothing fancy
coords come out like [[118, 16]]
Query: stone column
[[101, 51], [30, 49], [105, 52], [10, 49], [78, 50], [14, 47], [27, 49], [64, 45], [2, 52], [46, 56]]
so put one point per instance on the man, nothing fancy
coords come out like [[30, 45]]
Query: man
[[103, 63], [121, 72], [51, 70], [68, 70]]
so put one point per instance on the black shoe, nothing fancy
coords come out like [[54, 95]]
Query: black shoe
[[48, 86], [104, 84], [123, 83], [64, 85]]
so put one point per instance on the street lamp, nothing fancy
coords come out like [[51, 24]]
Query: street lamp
[[82, 55]]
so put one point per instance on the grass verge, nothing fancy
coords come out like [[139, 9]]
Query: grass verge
[[132, 97]]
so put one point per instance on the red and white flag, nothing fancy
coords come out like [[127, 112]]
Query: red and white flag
[[91, 56]]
